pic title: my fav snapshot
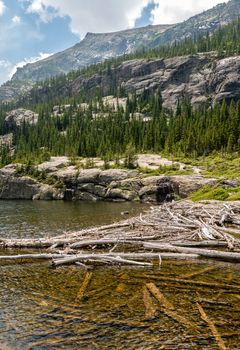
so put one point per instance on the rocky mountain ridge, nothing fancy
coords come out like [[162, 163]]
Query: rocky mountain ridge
[[99, 47], [94, 48], [201, 24], [202, 78]]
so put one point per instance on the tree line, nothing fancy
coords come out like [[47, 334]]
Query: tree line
[[101, 132]]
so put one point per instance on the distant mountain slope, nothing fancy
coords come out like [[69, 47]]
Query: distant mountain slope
[[95, 48], [200, 24], [204, 69]]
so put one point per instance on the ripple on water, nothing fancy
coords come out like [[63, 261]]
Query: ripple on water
[[38, 218], [40, 309]]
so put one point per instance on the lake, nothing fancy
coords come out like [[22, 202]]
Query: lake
[[40, 307]]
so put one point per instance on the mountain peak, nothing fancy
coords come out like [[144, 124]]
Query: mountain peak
[[98, 47]]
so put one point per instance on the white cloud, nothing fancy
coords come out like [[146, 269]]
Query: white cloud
[[2, 7], [8, 69], [91, 15], [23, 63], [173, 11], [16, 19], [5, 69]]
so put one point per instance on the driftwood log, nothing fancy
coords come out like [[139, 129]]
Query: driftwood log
[[178, 230]]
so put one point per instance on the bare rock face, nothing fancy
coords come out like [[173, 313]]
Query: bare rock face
[[202, 78], [101, 185], [108, 176], [6, 140], [12, 187], [48, 193], [184, 185], [157, 189], [96, 47], [53, 164], [19, 116]]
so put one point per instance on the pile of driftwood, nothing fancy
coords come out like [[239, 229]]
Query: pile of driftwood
[[177, 230]]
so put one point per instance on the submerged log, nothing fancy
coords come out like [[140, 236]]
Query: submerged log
[[212, 327], [228, 287], [167, 307], [150, 309], [199, 272], [86, 282]]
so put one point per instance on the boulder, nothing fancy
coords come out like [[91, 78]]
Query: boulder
[[132, 184], [9, 170], [92, 188], [88, 176], [12, 187], [53, 164], [186, 184], [67, 175], [152, 180], [157, 189], [48, 193], [86, 196], [19, 116], [118, 193], [230, 183], [115, 175]]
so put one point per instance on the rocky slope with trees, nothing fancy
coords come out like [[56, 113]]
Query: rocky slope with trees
[[57, 180], [178, 100], [95, 48]]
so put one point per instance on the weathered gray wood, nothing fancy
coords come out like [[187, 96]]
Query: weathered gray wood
[[102, 242], [33, 256], [139, 256], [211, 254], [214, 243]]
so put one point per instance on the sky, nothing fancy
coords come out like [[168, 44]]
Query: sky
[[34, 29]]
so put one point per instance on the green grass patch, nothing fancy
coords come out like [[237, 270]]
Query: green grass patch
[[168, 170], [216, 193], [217, 165]]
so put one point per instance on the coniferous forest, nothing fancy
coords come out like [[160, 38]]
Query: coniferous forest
[[104, 131]]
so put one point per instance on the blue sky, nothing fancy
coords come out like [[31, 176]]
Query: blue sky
[[33, 29]]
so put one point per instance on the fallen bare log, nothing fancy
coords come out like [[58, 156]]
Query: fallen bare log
[[65, 259], [178, 230], [112, 256], [208, 244], [82, 265], [210, 254], [32, 256], [104, 242], [101, 257]]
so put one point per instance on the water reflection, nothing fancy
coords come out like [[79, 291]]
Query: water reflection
[[28, 219]]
